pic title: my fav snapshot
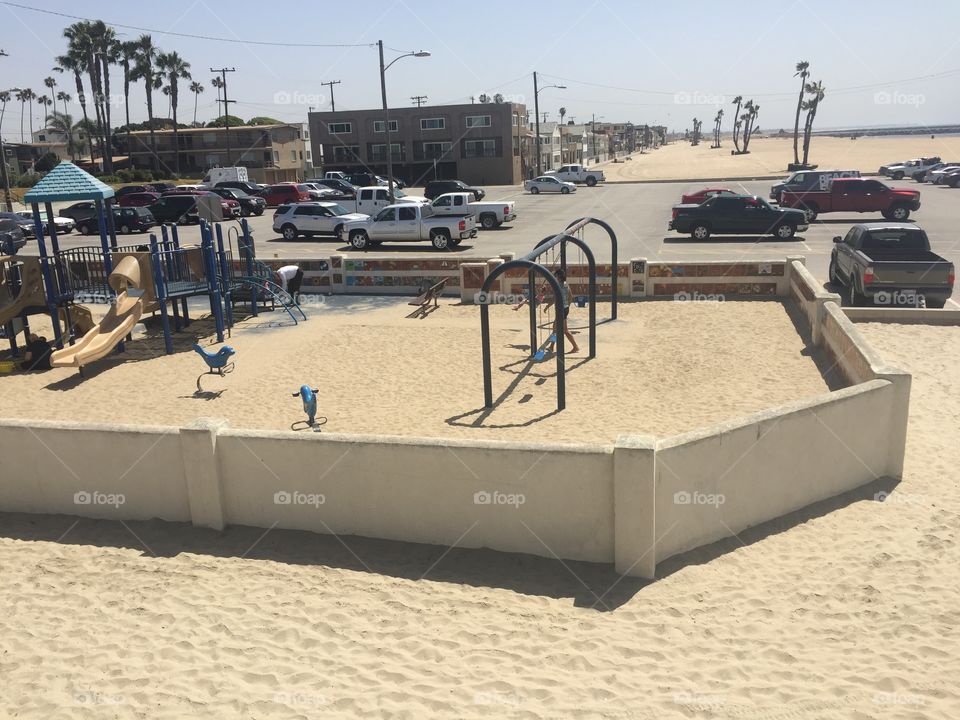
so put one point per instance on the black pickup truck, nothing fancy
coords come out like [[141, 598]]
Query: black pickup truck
[[890, 264], [736, 215]]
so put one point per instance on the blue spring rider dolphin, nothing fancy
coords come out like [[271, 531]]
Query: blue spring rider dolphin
[[309, 397]]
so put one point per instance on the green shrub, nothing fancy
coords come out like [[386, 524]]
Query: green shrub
[[140, 175], [110, 179]]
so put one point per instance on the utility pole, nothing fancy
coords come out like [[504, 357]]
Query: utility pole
[[333, 105], [419, 99], [8, 201], [226, 108]]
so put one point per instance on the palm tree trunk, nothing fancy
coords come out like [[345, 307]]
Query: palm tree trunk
[[796, 123], [31, 119], [196, 96], [153, 137], [83, 105], [808, 126], [107, 133], [176, 134]]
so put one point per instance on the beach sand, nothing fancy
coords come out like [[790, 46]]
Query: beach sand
[[770, 156], [662, 368], [848, 609]]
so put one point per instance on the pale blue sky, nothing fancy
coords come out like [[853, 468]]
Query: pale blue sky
[[687, 58]]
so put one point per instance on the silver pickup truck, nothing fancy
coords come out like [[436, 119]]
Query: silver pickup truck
[[890, 264], [410, 222]]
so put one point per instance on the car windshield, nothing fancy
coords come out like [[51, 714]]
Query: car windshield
[[304, 188], [338, 210], [399, 193]]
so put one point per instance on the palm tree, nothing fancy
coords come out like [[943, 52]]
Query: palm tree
[[816, 92], [62, 123], [747, 117], [51, 83], [716, 128], [43, 101], [82, 48], [64, 98], [23, 95], [803, 70], [217, 82], [738, 101], [166, 92], [4, 99], [107, 52], [145, 69], [196, 88], [73, 62], [562, 111], [176, 69]]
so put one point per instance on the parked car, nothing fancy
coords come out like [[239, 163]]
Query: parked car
[[12, 238], [737, 215], [898, 171], [25, 224], [577, 174], [249, 205], [313, 218], [283, 193], [162, 187], [178, 208], [186, 187], [890, 264], [700, 195], [250, 188], [490, 215], [338, 184], [325, 192], [397, 182], [63, 225], [855, 195], [365, 179], [548, 183], [315, 192], [810, 180], [78, 211], [951, 178], [334, 175], [130, 189], [125, 220], [436, 188], [927, 174], [936, 176], [224, 174], [371, 200], [410, 222], [143, 199], [229, 207]]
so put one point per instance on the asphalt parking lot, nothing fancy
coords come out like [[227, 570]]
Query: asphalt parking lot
[[638, 214]]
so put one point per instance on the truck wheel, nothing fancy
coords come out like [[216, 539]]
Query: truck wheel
[[854, 296], [935, 304], [785, 231], [833, 274], [440, 240], [289, 232], [359, 240], [897, 175], [534, 190], [85, 229], [811, 211], [564, 190], [489, 222], [124, 229], [591, 181], [700, 232], [898, 213]]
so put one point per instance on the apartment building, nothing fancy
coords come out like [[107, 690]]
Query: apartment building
[[271, 153], [482, 143]]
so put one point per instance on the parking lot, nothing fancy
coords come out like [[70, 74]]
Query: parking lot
[[638, 214]]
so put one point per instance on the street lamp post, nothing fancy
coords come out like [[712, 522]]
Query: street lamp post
[[536, 108], [386, 111]]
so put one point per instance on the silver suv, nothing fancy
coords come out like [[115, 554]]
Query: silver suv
[[312, 218]]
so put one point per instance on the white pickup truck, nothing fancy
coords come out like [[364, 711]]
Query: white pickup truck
[[410, 222], [490, 214], [578, 174], [370, 200]]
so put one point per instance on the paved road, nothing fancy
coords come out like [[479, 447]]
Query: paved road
[[639, 214]]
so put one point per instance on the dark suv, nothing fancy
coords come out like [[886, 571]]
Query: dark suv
[[125, 220], [249, 204], [179, 209], [250, 188], [11, 236], [436, 188]]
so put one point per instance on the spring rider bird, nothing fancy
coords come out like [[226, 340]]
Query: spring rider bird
[[218, 363], [309, 397]]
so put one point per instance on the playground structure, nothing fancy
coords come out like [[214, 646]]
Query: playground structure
[[556, 247], [134, 280]]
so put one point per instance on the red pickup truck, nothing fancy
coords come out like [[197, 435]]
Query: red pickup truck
[[854, 195]]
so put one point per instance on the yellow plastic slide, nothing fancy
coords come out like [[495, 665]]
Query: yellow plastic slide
[[116, 324]]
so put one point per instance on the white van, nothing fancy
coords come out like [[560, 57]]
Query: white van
[[221, 174]]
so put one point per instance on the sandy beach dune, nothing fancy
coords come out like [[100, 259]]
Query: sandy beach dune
[[848, 609], [770, 156]]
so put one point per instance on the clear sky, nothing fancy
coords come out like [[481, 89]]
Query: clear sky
[[646, 62]]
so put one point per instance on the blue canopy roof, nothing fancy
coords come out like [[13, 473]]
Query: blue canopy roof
[[68, 182]]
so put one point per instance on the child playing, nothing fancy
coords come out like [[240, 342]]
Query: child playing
[[566, 295]]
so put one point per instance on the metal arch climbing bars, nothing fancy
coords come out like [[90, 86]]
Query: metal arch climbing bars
[[581, 223]]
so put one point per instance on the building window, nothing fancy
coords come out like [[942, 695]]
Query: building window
[[480, 148], [276, 156], [379, 125], [341, 128], [378, 152], [346, 153], [309, 156], [209, 138], [478, 121], [293, 156], [433, 123], [435, 150], [306, 134]]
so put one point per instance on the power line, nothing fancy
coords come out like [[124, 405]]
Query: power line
[[187, 35], [419, 99]]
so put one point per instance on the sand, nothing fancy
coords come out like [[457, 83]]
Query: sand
[[663, 368], [848, 609], [770, 156]]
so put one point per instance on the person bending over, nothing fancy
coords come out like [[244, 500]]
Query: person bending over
[[37, 355]]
